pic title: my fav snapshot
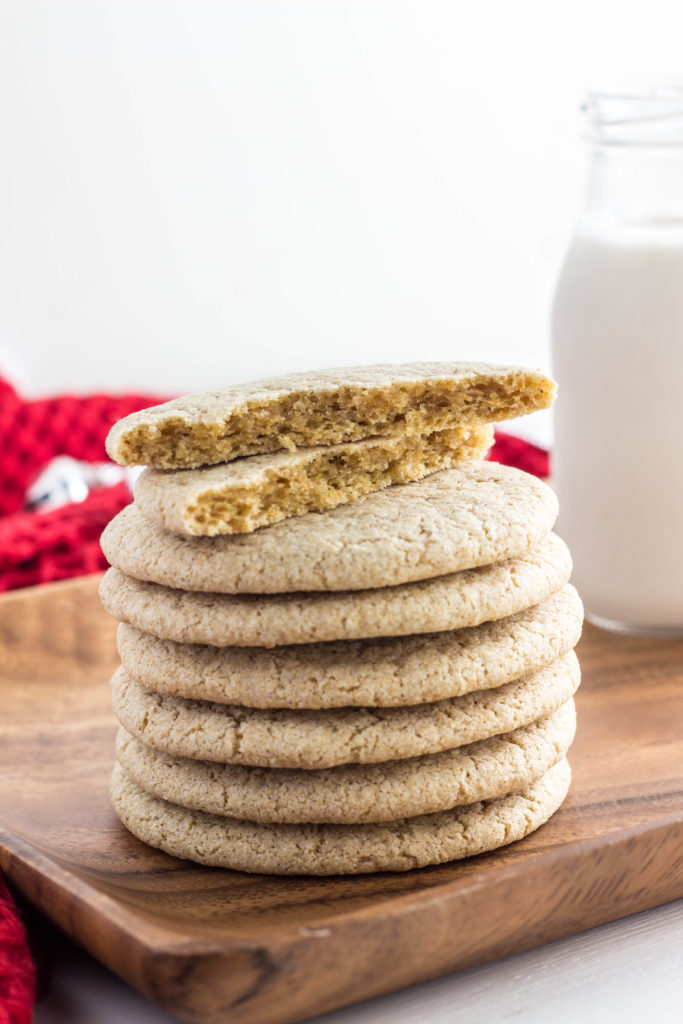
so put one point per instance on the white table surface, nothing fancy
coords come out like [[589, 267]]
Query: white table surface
[[629, 972]]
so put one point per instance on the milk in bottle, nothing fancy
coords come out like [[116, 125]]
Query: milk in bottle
[[618, 359]]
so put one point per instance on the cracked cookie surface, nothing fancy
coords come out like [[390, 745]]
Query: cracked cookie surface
[[323, 739], [356, 794], [386, 672], [337, 849], [476, 514], [445, 603]]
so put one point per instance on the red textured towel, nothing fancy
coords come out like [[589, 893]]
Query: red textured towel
[[39, 547], [17, 973], [514, 451]]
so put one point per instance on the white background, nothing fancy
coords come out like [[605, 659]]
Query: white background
[[198, 192]]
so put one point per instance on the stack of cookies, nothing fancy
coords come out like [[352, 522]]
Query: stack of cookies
[[346, 639]]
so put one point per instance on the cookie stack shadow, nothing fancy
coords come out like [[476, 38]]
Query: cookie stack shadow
[[382, 685]]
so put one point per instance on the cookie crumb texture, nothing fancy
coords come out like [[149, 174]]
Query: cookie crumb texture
[[356, 794], [387, 672], [456, 601], [475, 514], [337, 849], [323, 408], [243, 495], [231, 734]]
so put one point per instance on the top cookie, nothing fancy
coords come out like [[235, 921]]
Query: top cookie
[[474, 515], [325, 407]]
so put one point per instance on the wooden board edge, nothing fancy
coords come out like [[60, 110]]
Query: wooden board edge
[[304, 971], [425, 938], [66, 898]]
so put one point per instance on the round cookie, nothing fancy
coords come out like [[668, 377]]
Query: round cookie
[[387, 672], [473, 515], [460, 599], [323, 739], [356, 794], [337, 849]]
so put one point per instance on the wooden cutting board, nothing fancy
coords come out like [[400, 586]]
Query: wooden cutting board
[[215, 946]]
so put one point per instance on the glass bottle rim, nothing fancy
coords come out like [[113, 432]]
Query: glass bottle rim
[[650, 117]]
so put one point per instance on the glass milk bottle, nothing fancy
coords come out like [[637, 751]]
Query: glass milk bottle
[[618, 360]]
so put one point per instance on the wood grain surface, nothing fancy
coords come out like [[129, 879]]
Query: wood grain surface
[[215, 946]]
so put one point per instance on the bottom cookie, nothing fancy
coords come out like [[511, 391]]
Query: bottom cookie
[[337, 849]]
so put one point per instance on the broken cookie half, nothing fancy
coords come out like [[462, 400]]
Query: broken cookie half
[[245, 457], [242, 495], [324, 408]]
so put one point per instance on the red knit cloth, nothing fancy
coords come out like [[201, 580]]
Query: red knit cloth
[[38, 547], [17, 973], [513, 451]]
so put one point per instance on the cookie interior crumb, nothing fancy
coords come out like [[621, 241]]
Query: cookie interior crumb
[[243, 495], [181, 436]]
